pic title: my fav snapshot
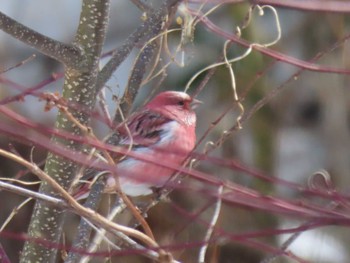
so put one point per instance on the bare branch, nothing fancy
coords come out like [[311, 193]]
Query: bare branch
[[82, 237], [79, 89], [79, 209], [269, 52], [69, 55], [141, 5], [35, 195], [331, 6], [21, 63], [135, 80], [116, 210], [27, 91], [210, 230], [147, 30], [150, 28]]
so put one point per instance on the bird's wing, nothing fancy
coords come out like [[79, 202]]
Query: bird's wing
[[143, 129]]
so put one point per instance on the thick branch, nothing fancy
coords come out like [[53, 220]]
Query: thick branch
[[84, 231], [69, 55], [79, 89], [142, 63], [145, 32]]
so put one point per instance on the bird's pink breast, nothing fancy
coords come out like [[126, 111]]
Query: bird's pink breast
[[137, 176]]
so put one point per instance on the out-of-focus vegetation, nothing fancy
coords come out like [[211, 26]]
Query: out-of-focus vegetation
[[295, 123]]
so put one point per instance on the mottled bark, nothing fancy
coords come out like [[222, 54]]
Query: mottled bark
[[150, 28], [69, 55], [80, 90], [83, 81]]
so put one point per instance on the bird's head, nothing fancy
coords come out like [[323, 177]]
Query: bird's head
[[175, 105]]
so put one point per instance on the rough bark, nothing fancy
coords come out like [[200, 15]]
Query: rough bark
[[79, 90]]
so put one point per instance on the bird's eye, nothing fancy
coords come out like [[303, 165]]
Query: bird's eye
[[181, 103]]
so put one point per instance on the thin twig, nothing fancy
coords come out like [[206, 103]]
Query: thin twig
[[104, 107], [35, 195], [27, 91], [79, 209], [14, 212], [21, 63], [101, 233], [111, 162], [61, 203], [3, 256], [331, 6], [203, 250], [141, 5], [147, 30], [271, 53]]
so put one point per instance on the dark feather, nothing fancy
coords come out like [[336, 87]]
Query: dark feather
[[145, 129]]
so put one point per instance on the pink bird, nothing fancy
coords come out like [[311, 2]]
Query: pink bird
[[163, 130]]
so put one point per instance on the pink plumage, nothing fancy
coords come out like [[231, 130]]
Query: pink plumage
[[163, 130]]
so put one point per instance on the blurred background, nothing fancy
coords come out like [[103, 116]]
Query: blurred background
[[302, 129]]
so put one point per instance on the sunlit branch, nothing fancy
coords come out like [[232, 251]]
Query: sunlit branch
[[203, 250], [35, 195]]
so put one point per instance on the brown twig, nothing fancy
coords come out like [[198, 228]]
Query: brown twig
[[151, 27], [88, 132], [269, 52], [331, 6], [79, 209]]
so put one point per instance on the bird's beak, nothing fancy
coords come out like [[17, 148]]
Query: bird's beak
[[195, 103]]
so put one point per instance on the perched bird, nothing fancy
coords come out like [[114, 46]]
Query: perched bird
[[163, 130]]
